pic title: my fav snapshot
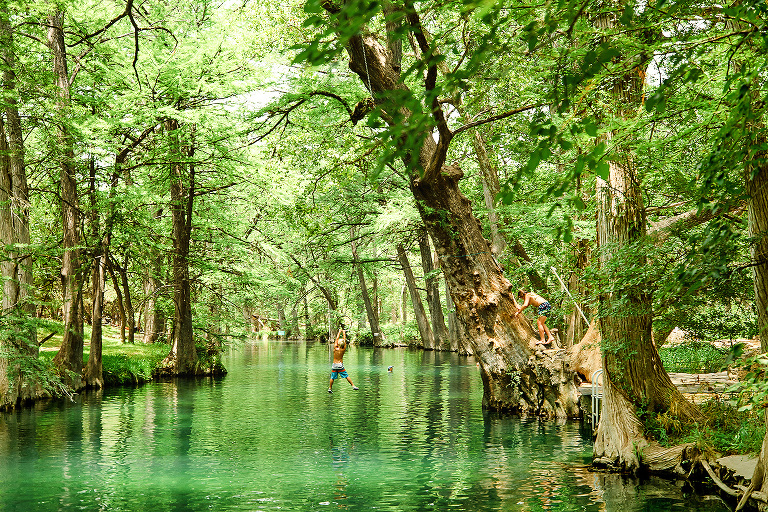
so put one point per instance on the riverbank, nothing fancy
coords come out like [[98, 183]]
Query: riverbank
[[123, 363]]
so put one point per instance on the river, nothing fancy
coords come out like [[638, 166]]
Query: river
[[269, 437]]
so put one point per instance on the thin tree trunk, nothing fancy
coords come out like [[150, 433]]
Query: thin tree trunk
[[425, 330], [153, 322], [70, 355], [576, 326], [404, 303], [373, 317], [453, 334], [129, 324], [491, 188], [93, 375], [119, 294], [282, 327], [432, 286], [307, 323]]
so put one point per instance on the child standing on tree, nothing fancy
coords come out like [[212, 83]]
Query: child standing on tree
[[337, 368], [544, 309]]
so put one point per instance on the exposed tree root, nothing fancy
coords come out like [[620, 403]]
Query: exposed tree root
[[716, 479], [669, 459]]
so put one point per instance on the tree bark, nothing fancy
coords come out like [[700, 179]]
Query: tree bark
[[425, 330], [757, 206], [94, 373], [70, 356], [182, 359]]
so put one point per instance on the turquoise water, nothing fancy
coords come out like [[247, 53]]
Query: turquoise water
[[269, 437]]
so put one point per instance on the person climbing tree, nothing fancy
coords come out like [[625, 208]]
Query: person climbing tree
[[544, 308]]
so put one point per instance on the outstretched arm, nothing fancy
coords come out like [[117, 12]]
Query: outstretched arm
[[526, 303]]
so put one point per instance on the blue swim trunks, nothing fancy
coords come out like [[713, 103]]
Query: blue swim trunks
[[335, 374], [544, 308], [337, 371]]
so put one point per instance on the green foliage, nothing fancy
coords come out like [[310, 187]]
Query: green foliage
[[407, 333], [729, 430], [365, 339], [693, 356], [752, 387], [662, 427]]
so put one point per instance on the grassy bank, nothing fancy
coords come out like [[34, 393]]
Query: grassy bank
[[122, 363]]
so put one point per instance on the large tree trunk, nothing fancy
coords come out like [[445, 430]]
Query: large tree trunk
[[20, 337], [514, 379], [94, 377], [17, 308], [70, 356], [182, 359], [633, 372], [757, 191], [425, 330], [432, 284]]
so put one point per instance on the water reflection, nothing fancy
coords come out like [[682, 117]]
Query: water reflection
[[269, 437]]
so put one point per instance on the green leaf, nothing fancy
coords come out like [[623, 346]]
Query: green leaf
[[603, 170]]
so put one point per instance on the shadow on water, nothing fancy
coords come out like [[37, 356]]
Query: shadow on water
[[268, 436]]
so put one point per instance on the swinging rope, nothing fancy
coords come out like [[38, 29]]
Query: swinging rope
[[365, 60]]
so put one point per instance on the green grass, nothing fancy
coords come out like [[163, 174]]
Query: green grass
[[122, 363]]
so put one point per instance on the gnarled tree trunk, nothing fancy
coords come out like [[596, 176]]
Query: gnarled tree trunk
[[514, 378], [633, 373]]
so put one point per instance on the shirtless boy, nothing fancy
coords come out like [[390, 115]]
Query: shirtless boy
[[544, 308], [337, 368]]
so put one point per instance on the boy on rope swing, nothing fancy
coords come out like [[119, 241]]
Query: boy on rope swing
[[544, 309], [337, 368]]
